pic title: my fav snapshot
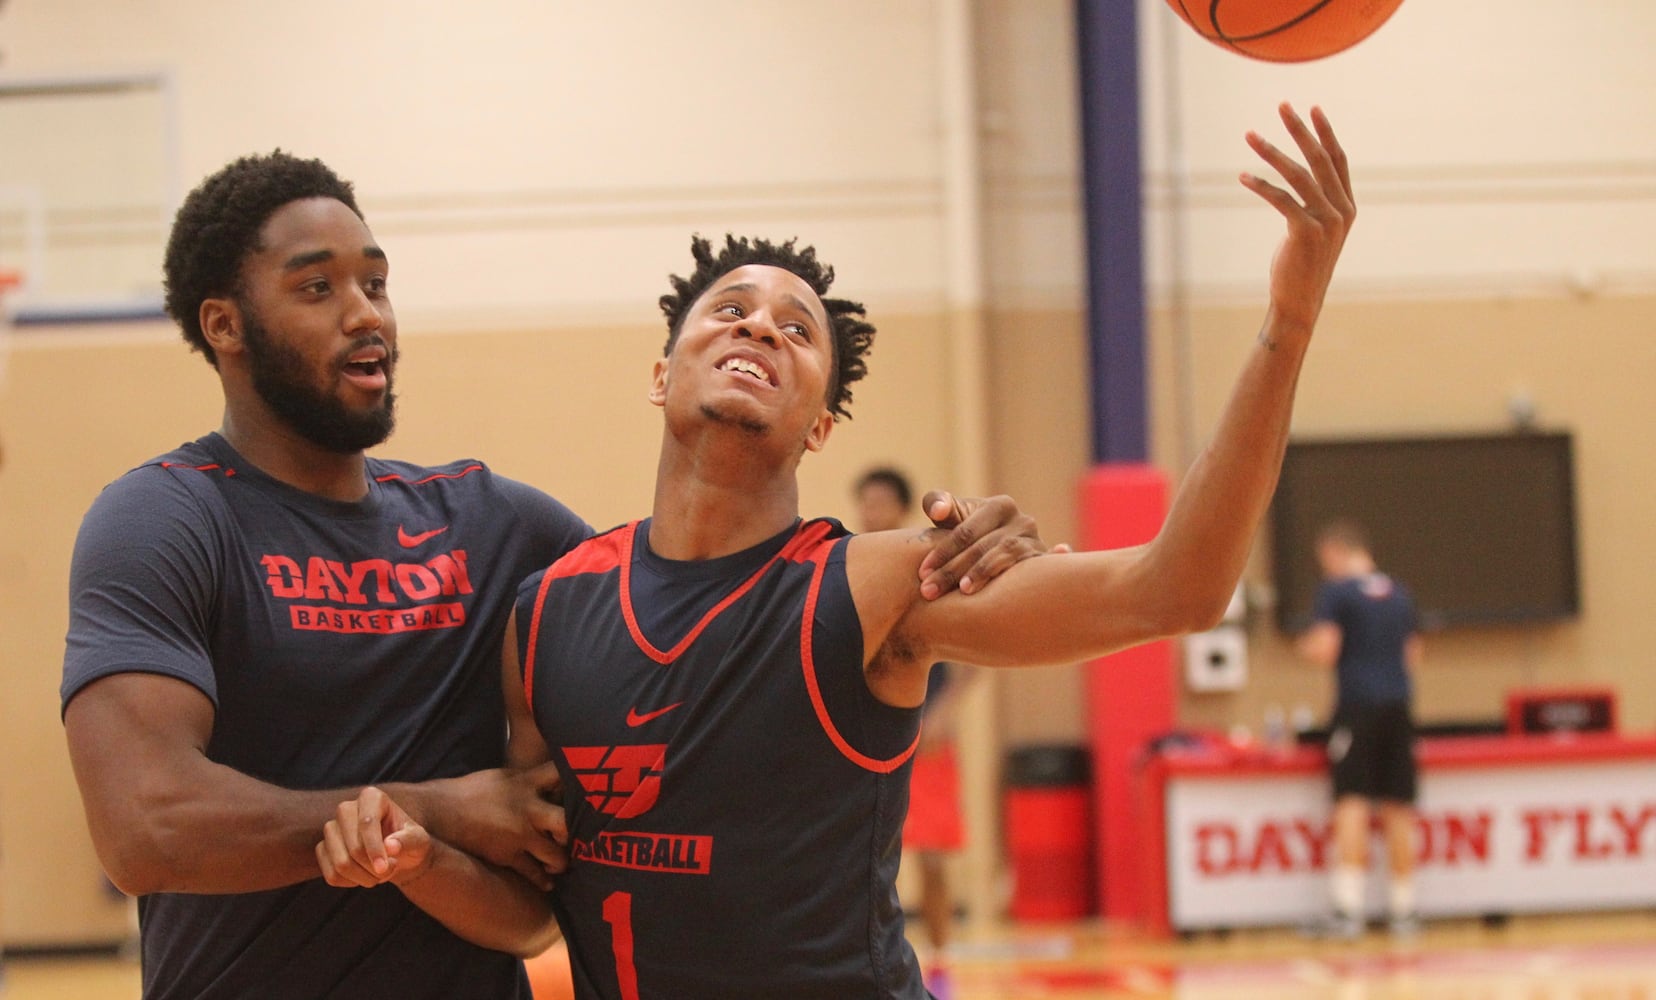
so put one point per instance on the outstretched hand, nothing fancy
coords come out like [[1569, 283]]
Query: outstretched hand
[[984, 538], [1318, 218]]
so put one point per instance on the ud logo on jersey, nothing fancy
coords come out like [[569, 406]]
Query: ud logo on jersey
[[623, 782]]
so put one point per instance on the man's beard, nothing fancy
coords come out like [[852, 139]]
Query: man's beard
[[284, 381]]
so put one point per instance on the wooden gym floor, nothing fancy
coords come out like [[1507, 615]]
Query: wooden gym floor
[[1572, 957]]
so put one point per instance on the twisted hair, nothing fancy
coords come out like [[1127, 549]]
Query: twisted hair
[[853, 335], [218, 226]]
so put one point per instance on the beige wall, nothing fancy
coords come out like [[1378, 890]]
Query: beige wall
[[535, 168]]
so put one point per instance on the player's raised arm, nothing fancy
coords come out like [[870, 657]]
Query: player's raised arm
[[1057, 610]]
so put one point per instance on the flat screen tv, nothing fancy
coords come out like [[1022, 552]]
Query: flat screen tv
[[1481, 528]]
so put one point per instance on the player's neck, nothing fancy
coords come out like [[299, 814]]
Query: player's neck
[[279, 452], [712, 502]]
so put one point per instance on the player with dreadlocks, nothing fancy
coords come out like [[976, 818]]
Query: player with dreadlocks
[[732, 694]]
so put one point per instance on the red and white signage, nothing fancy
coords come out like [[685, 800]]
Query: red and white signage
[[1495, 835]]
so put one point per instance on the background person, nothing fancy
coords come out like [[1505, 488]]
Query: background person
[[1365, 628]]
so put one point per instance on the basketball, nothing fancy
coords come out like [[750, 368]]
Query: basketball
[[1285, 30]]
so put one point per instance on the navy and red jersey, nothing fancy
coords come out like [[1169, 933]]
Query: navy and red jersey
[[1376, 617], [735, 792], [341, 644]]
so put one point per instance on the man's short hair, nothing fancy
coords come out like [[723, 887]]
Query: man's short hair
[[217, 229]]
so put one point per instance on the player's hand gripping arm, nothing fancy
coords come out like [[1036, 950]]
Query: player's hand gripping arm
[[372, 841], [165, 818], [1061, 610], [978, 540]]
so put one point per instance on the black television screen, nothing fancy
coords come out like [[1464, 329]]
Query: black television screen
[[1480, 528]]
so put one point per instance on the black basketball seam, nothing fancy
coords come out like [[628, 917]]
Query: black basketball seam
[[1234, 40]]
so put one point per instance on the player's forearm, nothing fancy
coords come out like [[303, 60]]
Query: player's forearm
[[218, 832], [1203, 547], [488, 906]]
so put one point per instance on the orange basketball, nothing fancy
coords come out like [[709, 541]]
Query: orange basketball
[[1285, 30], [549, 977]]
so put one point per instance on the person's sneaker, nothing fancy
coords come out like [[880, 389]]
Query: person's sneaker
[[1404, 925], [1335, 926]]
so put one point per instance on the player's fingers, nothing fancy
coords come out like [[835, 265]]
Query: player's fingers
[[551, 857], [1292, 172], [943, 509], [550, 819], [408, 847], [1343, 196], [334, 858], [361, 819], [1324, 181], [1278, 199], [325, 863], [956, 554], [1001, 535], [544, 778], [998, 556]]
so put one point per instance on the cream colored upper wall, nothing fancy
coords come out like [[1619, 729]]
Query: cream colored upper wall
[[524, 157], [1495, 147]]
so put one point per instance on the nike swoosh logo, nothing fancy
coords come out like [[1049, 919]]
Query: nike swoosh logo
[[408, 541], [634, 719]]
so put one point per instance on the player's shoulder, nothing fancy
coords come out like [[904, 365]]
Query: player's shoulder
[[598, 553], [820, 536], [602, 552], [881, 566], [156, 486], [172, 502]]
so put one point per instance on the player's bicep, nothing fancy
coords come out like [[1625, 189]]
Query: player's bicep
[[137, 744], [524, 745]]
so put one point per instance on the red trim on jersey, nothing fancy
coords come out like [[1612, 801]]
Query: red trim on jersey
[[528, 663], [468, 470], [199, 468], [795, 551], [807, 658], [598, 554]]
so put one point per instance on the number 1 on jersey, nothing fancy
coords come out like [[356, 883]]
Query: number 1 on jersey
[[618, 914]]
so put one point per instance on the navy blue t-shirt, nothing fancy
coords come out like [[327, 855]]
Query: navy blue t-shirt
[[735, 792], [1376, 617], [341, 643]]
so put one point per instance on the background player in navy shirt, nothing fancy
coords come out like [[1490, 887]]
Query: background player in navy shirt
[[1364, 627], [265, 620], [735, 759]]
